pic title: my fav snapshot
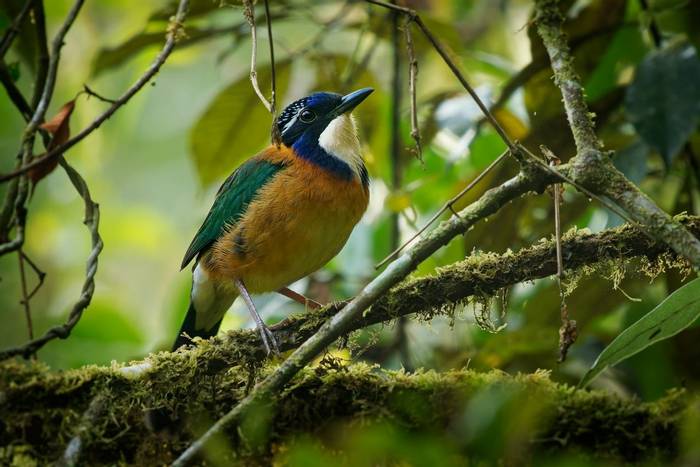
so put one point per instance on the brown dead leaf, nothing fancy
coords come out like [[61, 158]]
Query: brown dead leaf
[[59, 127]]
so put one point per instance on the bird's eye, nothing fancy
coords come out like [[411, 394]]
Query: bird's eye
[[307, 116]]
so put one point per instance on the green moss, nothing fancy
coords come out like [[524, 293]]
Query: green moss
[[41, 410]]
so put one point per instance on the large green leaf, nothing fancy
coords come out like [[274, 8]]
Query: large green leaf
[[234, 127], [663, 101], [678, 311]]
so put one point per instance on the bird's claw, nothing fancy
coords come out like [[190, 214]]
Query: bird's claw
[[269, 340]]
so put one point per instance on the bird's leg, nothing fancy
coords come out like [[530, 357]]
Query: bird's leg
[[299, 298], [268, 339]]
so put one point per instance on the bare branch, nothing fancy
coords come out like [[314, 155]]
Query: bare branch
[[14, 28], [91, 93], [174, 30], [41, 275], [448, 205], [442, 51], [13, 92], [55, 58], [25, 296], [568, 330], [249, 13], [43, 52], [275, 136], [412, 76]]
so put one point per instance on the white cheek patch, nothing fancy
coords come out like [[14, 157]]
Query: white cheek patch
[[340, 140]]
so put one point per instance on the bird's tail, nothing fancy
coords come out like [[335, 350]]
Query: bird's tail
[[188, 330]]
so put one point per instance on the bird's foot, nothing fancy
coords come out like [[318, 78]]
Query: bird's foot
[[269, 340]]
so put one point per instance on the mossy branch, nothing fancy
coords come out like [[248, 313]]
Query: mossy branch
[[531, 178], [592, 167], [41, 408], [166, 379], [478, 275]]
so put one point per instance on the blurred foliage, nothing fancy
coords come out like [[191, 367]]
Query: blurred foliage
[[154, 168]]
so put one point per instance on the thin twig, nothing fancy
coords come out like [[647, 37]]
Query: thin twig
[[249, 12], [447, 206], [91, 93], [43, 51], [55, 57], [275, 136], [174, 30], [14, 28], [91, 221], [568, 330], [614, 208], [27, 141], [8, 208], [41, 275], [13, 92], [412, 76], [25, 295], [20, 217], [442, 51]]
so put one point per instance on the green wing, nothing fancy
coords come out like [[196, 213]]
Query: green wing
[[231, 202]]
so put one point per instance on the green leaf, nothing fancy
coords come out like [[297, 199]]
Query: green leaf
[[678, 311], [663, 101], [109, 57], [234, 127]]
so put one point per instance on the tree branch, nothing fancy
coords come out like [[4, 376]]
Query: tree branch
[[174, 30], [52, 406], [445, 55], [591, 167], [91, 208], [14, 28], [91, 221], [13, 92], [236, 351], [533, 178], [249, 13]]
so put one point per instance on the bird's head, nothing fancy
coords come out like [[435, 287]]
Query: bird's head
[[319, 127]]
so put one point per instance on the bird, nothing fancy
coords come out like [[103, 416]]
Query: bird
[[280, 216]]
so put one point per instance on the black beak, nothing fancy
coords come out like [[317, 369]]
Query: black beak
[[352, 100]]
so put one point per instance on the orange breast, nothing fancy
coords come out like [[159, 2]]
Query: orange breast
[[298, 222]]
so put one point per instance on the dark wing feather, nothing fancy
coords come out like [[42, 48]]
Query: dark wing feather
[[231, 202]]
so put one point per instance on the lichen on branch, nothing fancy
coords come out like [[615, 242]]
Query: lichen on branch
[[593, 168]]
